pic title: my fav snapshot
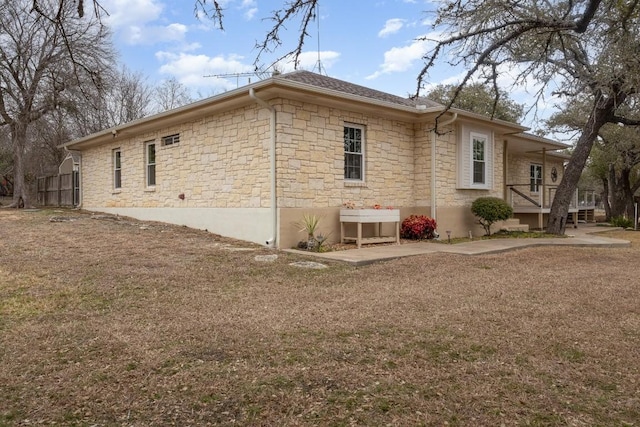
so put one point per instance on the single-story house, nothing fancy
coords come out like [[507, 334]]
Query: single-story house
[[250, 162]]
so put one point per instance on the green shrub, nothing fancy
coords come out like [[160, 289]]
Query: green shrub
[[490, 210], [620, 221], [418, 227]]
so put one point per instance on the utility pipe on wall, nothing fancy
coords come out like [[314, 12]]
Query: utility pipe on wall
[[272, 157], [434, 174]]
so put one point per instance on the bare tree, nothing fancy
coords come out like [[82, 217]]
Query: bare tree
[[38, 69], [303, 11], [171, 94], [6, 163], [46, 135], [126, 98]]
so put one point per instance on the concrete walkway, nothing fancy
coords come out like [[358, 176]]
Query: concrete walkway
[[584, 235]]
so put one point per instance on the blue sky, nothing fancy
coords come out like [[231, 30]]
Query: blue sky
[[368, 42]]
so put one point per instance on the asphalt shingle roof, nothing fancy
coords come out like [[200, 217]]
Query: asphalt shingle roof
[[325, 82]]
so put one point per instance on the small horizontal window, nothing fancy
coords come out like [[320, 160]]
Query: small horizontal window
[[171, 139]]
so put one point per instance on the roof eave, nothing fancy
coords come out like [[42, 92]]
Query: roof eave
[[507, 127], [108, 134], [240, 96]]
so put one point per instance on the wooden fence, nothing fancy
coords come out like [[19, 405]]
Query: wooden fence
[[58, 190]]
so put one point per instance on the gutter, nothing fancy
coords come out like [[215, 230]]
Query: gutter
[[271, 242], [434, 173]]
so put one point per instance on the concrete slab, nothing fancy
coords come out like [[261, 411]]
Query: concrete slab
[[584, 236]]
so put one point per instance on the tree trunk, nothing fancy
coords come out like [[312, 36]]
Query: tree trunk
[[628, 193], [605, 199], [603, 108], [20, 191], [616, 200], [621, 192]]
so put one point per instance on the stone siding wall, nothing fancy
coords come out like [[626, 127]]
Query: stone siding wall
[[221, 161], [310, 155]]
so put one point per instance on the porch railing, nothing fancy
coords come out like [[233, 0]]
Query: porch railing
[[587, 199], [520, 195]]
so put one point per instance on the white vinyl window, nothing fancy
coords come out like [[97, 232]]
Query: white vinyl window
[[150, 160], [475, 165], [479, 163], [117, 169], [535, 178], [354, 142]]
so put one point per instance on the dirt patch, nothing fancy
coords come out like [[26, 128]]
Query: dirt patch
[[106, 322]]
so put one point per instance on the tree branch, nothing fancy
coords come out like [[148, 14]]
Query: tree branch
[[587, 16], [214, 13], [280, 18], [624, 120]]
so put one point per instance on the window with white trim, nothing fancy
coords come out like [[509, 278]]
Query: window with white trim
[[475, 162], [535, 177], [171, 139], [117, 169], [479, 153], [150, 161], [354, 152]]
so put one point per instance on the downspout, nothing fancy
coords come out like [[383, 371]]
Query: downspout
[[505, 169], [272, 241], [544, 189], [434, 174]]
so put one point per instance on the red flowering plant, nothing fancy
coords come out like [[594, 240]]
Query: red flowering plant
[[379, 206], [418, 227]]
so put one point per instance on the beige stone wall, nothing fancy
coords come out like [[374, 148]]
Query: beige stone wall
[[422, 165], [221, 161], [310, 155]]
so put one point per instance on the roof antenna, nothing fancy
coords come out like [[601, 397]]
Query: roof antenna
[[321, 69]]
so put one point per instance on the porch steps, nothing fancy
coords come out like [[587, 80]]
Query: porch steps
[[513, 224]]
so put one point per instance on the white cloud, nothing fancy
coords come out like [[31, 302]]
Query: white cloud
[[191, 70], [249, 14], [398, 59], [250, 7], [135, 22], [126, 13], [392, 26], [137, 35]]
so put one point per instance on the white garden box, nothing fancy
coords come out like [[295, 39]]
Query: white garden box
[[370, 216]]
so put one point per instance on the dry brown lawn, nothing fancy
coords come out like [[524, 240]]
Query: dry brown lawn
[[106, 323]]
